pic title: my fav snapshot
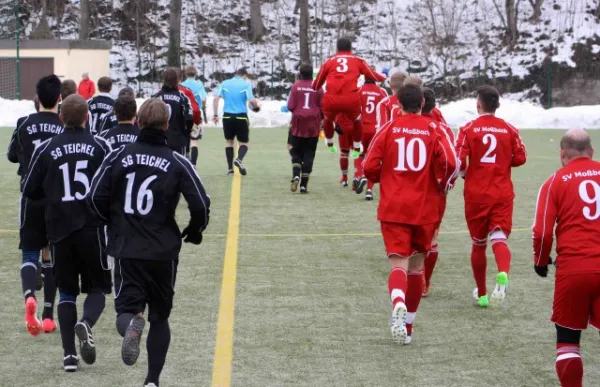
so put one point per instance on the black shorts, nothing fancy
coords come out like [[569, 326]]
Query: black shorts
[[82, 255], [141, 282], [32, 230], [290, 137], [236, 126]]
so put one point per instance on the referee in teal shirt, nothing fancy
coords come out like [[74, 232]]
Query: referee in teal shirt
[[236, 93]]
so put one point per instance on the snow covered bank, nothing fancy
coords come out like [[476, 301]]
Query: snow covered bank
[[523, 115]]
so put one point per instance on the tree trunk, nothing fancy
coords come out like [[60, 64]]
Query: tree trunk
[[256, 24], [173, 57], [84, 20], [537, 10], [511, 21], [304, 25]]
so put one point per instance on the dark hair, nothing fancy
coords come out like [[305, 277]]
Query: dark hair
[[105, 84], [488, 98], [171, 77], [306, 71], [344, 44], [190, 72], [411, 98], [154, 114], [68, 88], [369, 81], [126, 91], [125, 108], [48, 91], [242, 72], [429, 96], [74, 111]]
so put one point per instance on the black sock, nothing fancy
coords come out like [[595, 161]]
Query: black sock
[[194, 156], [93, 306], [157, 346], [28, 279], [49, 290], [67, 318], [229, 154], [296, 168], [304, 180], [242, 150], [123, 321]]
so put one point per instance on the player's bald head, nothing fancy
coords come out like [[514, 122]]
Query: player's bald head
[[576, 143], [74, 111]]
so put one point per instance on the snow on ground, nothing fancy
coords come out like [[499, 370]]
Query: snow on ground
[[523, 115]]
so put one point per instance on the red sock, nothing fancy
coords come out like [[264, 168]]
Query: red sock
[[397, 285], [358, 169], [430, 261], [370, 185], [479, 265], [569, 366], [502, 254], [344, 162], [415, 291], [357, 134]]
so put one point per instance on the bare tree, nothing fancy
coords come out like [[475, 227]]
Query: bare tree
[[511, 19], [84, 19], [42, 31], [304, 24], [173, 58], [256, 23], [537, 10]]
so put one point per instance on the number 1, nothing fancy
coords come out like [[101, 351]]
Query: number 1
[[306, 101]]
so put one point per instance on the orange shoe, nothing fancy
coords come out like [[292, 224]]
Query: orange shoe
[[48, 325], [31, 320]]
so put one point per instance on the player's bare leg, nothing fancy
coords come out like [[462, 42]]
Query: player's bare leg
[[569, 366], [479, 266], [430, 262], [503, 257], [398, 286], [48, 324], [414, 293]]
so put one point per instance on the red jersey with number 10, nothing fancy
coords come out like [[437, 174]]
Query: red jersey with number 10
[[341, 72], [370, 96], [570, 199], [413, 160], [491, 146]]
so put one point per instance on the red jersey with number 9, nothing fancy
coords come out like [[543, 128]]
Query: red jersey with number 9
[[413, 160], [341, 72], [487, 149], [370, 96]]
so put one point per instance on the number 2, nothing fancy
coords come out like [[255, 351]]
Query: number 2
[[370, 104], [306, 101], [343, 65], [144, 194], [406, 154], [488, 157], [79, 177], [583, 194]]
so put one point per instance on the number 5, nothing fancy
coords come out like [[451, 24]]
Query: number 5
[[343, 65], [370, 104]]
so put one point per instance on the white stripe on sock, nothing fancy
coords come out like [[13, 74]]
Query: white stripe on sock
[[566, 356], [398, 293]]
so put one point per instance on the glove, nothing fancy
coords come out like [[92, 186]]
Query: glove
[[542, 271], [339, 130], [191, 236], [284, 109], [385, 71]]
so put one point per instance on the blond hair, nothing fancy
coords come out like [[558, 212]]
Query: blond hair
[[397, 80], [413, 80]]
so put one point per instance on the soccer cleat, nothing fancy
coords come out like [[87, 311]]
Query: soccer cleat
[[355, 154], [238, 163], [130, 351], [87, 348], [150, 385], [399, 332], [39, 277], [425, 290], [369, 195], [70, 363], [362, 183], [303, 190], [229, 172], [48, 325], [332, 148], [483, 301], [344, 181], [499, 293], [354, 183], [33, 324], [295, 182]]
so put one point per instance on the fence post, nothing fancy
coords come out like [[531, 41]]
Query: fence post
[[18, 58], [549, 83], [272, 76]]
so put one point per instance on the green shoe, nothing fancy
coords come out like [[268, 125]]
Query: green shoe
[[483, 301], [332, 149], [355, 154], [499, 293], [502, 279]]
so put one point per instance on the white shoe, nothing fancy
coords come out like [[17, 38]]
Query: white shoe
[[499, 293], [399, 333], [150, 385], [408, 340]]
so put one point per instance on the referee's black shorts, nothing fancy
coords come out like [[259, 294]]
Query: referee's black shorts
[[140, 282], [236, 126], [32, 230]]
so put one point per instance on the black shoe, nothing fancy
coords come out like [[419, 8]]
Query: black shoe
[[230, 172], [303, 190], [369, 195], [130, 351], [39, 277], [70, 363], [295, 181], [362, 183], [240, 166], [355, 182], [87, 348]]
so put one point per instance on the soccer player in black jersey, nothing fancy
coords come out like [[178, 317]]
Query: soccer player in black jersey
[[109, 120], [126, 131], [101, 104], [30, 133], [136, 191], [60, 173]]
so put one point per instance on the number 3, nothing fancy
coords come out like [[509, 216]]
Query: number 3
[[343, 65], [488, 158], [583, 194]]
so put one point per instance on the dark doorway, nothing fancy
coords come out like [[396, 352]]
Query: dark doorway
[[32, 69]]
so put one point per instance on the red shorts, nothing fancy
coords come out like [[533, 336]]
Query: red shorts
[[576, 300], [483, 218], [367, 137], [347, 126], [407, 240], [347, 104]]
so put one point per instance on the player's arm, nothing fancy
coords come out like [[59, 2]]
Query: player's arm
[[374, 156], [195, 108], [368, 72], [518, 148], [543, 227], [98, 198], [216, 100], [462, 150], [198, 201], [13, 147], [448, 130], [445, 160], [291, 102], [321, 76], [381, 114], [33, 187]]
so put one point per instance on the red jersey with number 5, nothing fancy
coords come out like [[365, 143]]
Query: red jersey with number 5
[[413, 160], [370, 96], [570, 199], [487, 149], [341, 72]]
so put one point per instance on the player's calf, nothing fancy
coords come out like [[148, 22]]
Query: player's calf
[[479, 266], [569, 366]]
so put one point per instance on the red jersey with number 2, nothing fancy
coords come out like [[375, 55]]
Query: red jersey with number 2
[[413, 160], [487, 149], [370, 96], [341, 72]]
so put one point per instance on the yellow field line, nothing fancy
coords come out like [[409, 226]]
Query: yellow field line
[[221, 376]]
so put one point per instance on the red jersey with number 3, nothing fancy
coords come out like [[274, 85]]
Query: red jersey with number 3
[[341, 72], [413, 160], [487, 149], [370, 96], [570, 199]]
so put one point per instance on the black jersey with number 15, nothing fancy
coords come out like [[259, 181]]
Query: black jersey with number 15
[[61, 172]]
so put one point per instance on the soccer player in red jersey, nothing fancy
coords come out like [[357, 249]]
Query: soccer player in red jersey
[[492, 147], [570, 200], [413, 161], [432, 255], [389, 108], [370, 94], [341, 72]]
